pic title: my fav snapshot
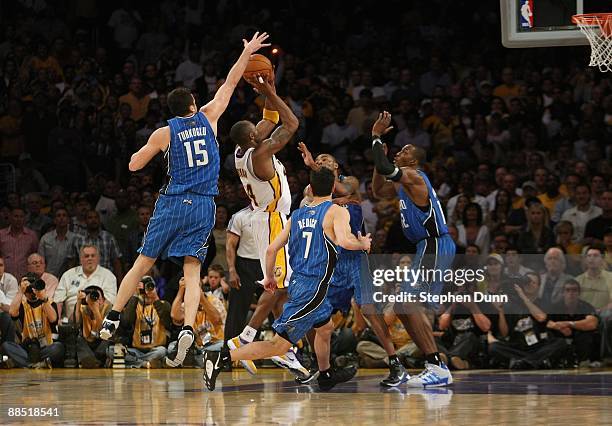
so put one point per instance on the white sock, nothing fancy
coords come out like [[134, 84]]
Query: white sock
[[248, 334]]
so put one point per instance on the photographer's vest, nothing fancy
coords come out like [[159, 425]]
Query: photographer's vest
[[88, 321], [149, 332], [203, 326], [35, 325]]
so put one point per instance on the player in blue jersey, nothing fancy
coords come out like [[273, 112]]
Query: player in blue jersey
[[423, 223], [184, 213], [352, 277], [313, 232]]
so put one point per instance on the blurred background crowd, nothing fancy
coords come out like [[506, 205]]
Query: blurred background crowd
[[518, 142]]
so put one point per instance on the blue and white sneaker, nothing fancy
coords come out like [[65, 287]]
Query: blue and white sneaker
[[433, 376]]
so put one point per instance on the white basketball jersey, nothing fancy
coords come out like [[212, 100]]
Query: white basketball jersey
[[266, 196]]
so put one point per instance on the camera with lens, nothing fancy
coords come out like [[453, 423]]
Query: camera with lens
[[35, 283], [93, 294], [149, 284]]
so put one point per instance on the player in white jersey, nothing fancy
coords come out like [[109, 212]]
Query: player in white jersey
[[265, 182]]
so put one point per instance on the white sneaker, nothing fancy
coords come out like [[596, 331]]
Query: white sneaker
[[248, 365], [185, 340], [291, 363], [108, 328], [433, 376]]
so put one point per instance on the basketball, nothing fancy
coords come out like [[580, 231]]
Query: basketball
[[258, 64]]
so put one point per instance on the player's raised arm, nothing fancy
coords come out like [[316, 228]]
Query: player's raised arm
[[269, 282], [282, 135], [158, 141], [218, 104], [342, 230], [270, 119]]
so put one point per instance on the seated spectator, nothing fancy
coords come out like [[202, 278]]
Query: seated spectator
[[536, 237], [568, 190], [147, 321], [37, 266], [472, 229], [607, 243], [528, 344], [37, 315], [108, 249], [596, 227], [36, 221], [552, 196], [513, 263], [573, 318], [215, 283], [91, 308], [209, 323], [136, 235], [56, 245], [498, 217], [124, 221], [582, 213], [412, 134], [8, 283], [596, 282], [466, 188], [456, 217], [564, 238], [494, 276], [79, 220], [16, 243], [554, 277], [78, 278]]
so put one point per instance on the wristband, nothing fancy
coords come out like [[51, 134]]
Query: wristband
[[272, 116], [376, 139]]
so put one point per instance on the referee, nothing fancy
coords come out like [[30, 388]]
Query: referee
[[244, 269]]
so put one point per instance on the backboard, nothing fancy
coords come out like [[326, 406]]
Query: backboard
[[542, 23]]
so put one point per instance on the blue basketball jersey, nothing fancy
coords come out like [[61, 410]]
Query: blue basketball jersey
[[419, 223], [192, 157], [356, 221], [311, 252]]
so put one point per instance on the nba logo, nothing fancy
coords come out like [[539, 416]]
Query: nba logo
[[526, 18]]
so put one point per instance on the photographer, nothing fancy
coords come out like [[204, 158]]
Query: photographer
[[528, 345], [37, 314], [209, 323], [90, 310], [464, 324], [148, 320]]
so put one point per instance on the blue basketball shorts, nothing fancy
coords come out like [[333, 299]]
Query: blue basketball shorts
[[180, 226]]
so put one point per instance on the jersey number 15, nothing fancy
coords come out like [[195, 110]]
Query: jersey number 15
[[201, 155]]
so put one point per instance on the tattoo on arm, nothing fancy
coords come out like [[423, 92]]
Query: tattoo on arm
[[280, 137]]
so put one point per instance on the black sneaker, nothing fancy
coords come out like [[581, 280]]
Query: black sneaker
[[332, 377], [397, 375], [214, 361], [314, 374]]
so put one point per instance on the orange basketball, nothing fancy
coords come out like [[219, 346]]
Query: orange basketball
[[258, 64]]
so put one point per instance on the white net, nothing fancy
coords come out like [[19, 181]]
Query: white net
[[598, 29]]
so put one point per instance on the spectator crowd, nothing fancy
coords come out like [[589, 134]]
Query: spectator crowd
[[519, 151]]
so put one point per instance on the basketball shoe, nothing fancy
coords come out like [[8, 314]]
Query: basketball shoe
[[248, 365], [214, 362], [291, 363], [432, 376], [330, 378], [108, 328], [397, 374], [185, 340]]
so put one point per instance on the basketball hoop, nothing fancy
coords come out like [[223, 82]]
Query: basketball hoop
[[598, 29]]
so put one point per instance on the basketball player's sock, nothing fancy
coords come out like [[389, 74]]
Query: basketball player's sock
[[434, 358], [113, 315], [248, 334]]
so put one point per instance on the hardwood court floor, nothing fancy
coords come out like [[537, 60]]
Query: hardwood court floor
[[177, 396]]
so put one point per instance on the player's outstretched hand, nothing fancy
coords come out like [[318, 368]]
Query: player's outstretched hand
[[382, 125], [307, 156], [256, 43], [366, 240], [269, 284]]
